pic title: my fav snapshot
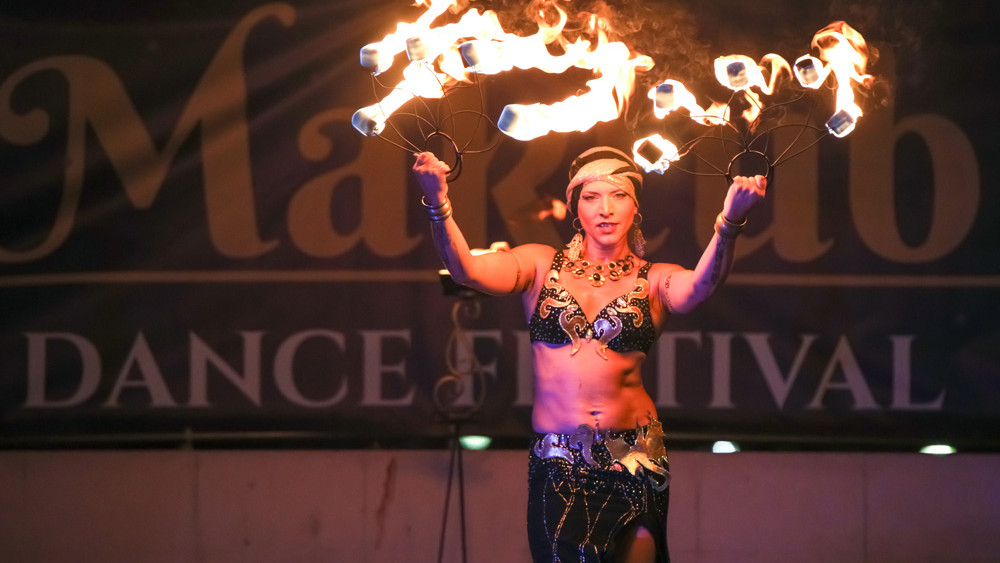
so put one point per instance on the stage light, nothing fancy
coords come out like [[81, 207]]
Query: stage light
[[471, 442], [937, 449], [725, 447]]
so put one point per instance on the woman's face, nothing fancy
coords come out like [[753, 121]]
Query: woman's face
[[606, 213]]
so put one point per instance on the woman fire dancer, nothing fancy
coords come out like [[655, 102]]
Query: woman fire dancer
[[598, 475]]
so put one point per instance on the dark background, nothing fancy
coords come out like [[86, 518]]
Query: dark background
[[936, 58]]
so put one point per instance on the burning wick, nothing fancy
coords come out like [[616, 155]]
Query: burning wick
[[654, 153], [436, 56], [841, 123], [807, 71], [842, 53], [444, 56]]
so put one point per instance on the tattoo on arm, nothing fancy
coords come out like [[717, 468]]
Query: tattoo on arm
[[443, 246], [666, 292], [718, 263]]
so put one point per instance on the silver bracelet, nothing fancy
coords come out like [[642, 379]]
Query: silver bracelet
[[728, 229], [438, 213]]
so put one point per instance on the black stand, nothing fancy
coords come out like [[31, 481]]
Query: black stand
[[455, 463], [459, 375]]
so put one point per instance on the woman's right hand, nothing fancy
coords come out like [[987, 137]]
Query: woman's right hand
[[431, 176], [744, 193]]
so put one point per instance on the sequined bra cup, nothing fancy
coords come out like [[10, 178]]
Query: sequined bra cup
[[623, 325]]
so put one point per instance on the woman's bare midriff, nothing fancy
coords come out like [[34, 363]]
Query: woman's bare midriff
[[584, 388]]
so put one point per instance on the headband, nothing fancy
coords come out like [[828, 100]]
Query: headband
[[609, 165]]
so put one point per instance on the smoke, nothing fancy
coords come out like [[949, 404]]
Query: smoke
[[899, 27]]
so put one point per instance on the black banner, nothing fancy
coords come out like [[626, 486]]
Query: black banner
[[194, 238]]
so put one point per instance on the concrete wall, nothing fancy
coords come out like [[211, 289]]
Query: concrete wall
[[386, 506]]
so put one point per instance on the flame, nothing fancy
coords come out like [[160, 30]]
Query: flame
[[380, 55], [654, 153], [611, 62], [846, 53], [418, 80], [424, 47], [671, 95], [479, 40], [552, 207], [506, 51], [842, 52], [443, 56], [604, 101]]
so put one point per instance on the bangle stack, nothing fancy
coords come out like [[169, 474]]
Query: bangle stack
[[440, 212], [728, 229]]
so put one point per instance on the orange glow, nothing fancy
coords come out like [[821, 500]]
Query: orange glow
[[425, 47], [487, 49], [842, 52], [846, 53], [449, 54], [553, 208], [654, 153], [603, 102]]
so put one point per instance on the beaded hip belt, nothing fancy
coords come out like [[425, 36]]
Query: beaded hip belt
[[647, 452]]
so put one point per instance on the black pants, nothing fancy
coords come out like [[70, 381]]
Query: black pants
[[579, 513]]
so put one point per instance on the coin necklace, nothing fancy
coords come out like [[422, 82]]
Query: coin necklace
[[598, 274]]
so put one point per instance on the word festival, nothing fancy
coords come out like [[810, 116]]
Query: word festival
[[137, 381]]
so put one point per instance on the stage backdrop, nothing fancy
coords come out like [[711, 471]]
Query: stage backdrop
[[194, 239]]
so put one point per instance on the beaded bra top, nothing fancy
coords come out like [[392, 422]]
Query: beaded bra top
[[623, 325]]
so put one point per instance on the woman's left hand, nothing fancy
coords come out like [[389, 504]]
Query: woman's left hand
[[743, 194]]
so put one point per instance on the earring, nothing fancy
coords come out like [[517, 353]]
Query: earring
[[575, 247], [637, 219], [636, 242]]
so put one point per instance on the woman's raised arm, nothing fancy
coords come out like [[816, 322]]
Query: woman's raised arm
[[493, 272], [685, 289]]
